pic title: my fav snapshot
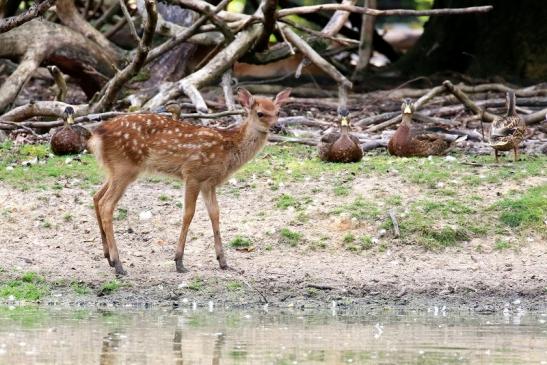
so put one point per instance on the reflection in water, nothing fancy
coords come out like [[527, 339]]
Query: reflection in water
[[177, 347], [31, 335], [109, 349]]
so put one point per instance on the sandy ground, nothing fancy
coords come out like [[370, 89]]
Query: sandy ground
[[69, 251]]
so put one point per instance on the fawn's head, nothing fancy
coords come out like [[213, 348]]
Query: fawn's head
[[262, 111]]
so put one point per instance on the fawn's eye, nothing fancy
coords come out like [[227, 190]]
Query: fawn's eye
[[260, 114]]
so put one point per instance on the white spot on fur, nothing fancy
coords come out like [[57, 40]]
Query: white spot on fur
[[126, 136]]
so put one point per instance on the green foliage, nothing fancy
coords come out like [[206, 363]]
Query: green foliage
[[502, 245], [121, 214], [284, 201], [289, 237], [196, 284], [110, 287], [80, 287], [234, 286], [360, 209], [29, 287], [240, 242], [526, 210]]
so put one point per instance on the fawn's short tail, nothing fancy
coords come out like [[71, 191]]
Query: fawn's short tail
[[95, 146]]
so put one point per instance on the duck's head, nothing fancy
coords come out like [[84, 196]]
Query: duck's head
[[172, 108], [68, 115], [407, 107], [344, 115]]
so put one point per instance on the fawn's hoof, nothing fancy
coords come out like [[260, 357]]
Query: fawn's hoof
[[110, 262], [180, 267], [119, 269], [223, 265]]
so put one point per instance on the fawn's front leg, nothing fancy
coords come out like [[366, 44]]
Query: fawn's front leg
[[210, 197], [96, 198], [190, 196]]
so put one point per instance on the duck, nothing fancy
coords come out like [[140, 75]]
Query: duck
[[507, 132], [409, 141], [341, 146], [70, 139], [172, 108]]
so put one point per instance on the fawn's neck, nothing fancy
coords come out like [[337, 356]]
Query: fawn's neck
[[252, 137]]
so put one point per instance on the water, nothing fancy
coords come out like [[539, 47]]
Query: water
[[202, 336]]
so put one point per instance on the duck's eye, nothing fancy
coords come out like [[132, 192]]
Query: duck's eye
[[260, 114]]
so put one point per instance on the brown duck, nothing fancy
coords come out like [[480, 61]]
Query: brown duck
[[409, 141], [340, 147], [507, 132], [70, 139]]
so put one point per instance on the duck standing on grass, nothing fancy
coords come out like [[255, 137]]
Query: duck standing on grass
[[409, 141], [507, 132], [341, 147]]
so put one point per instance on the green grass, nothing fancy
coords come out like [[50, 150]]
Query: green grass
[[110, 287], [67, 217], [240, 242], [196, 284], [502, 245], [284, 201], [289, 237], [360, 208], [342, 190], [29, 287], [80, 288], [234, 286], [164, 198], [43, 176], [352, 243], [121, 214], [525, 210]]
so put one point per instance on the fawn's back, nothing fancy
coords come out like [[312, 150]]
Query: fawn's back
[[152, 142]]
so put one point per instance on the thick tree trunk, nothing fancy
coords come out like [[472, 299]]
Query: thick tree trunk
[[508, 41]]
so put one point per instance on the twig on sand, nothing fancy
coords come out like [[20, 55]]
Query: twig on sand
[[396, 231]]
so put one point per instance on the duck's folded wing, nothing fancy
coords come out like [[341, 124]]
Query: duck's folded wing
[[330, 137]]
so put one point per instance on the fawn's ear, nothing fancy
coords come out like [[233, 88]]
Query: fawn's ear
[[282, 97], [245, 98]]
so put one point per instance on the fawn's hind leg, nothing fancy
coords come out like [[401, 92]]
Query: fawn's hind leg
[[96, 198], [107, 204], [190, 196]]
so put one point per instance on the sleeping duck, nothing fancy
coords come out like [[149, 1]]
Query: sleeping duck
[[340, 147], [172, 108], [507, 132], [409, 141]]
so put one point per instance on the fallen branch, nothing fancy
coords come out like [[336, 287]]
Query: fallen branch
[[396, 231], [59, 81], [214, 69], [127, 16], [374, 12], [283, 139], [111, 89], [34, 11], [41, 108]]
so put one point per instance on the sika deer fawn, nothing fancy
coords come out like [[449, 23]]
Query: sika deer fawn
[[202, 157]]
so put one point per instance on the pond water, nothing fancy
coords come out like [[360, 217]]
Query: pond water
[[200, 336]]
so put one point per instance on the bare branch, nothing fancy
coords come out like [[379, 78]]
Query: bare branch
[[34, 11], [464, 99], [310, 53], [112, 88], [129, 21], [268, 9], [213, 70], [228, 92], [374, 12], [367, 34], [60, 81], [41, 108], [338, 19], [210, 13], [182, 36]]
